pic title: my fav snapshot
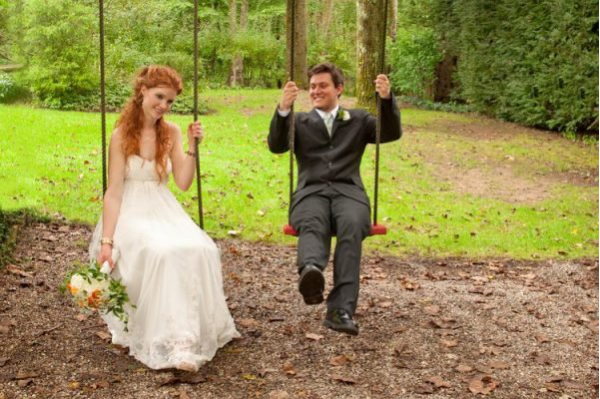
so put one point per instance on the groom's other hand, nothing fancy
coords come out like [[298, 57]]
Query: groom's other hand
[[290, 92], [382, 86]]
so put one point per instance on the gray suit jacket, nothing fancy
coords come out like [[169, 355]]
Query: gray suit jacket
[[333, 161]]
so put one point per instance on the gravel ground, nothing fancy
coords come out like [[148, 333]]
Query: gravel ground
[[436, 328]]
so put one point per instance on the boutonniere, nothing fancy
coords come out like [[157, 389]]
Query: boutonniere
[[343, 115]]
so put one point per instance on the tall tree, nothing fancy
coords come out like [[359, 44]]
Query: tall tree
[[370, 28], [3, 29], [326, 17], [393, 19], [236, 76], [300, 41]]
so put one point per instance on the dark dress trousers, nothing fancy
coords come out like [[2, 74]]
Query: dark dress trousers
[[330, 198]]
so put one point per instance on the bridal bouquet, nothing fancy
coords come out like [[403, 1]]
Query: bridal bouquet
[[92, 288]]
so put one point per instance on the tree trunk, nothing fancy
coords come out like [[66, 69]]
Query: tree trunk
[[233, 16], [236, 75], [393, 19], [368, 52], [328, 6], [244, 16], [443, 84], [300, 42]]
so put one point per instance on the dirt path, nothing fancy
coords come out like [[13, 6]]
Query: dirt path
[[440, 328]]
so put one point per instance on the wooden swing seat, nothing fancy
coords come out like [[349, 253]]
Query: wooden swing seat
[[376, 230]]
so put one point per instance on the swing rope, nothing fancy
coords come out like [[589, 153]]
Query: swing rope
[[375, 229], [292, 131], [198, 180], [102, 96], [103, 105], [378, 121]]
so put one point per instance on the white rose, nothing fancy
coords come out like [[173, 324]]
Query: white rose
[[76, 282]]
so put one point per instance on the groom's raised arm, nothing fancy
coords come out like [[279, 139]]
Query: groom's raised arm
[[278, 133], [280, 124], [391, 128]]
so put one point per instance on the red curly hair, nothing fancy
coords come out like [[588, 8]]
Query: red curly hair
[[131, 121]]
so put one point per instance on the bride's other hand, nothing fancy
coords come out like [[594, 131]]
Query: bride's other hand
[[195, 132], [106, 255]]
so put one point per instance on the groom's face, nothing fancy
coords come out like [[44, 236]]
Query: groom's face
[[323, 94]]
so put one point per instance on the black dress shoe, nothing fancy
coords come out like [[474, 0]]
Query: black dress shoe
[[311, 284], [340, 320]]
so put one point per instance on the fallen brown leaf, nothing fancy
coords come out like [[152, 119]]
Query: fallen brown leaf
[[81, 317], [449, 343], [14, 270], [593, 326], [314, 337], [184, 378], [262, 373], [400, 329], [541, 358], [73, 385], [103, 335], [248, 323], [183, 394], [499, 365], [409, 285], [22, 375], [339, 360], [24, 383], [289, 369], [344, 379], [432, 310], [482, 385], [463, 368], [541, 338], [278, 395], [483, 369], [439, 382], [399, 349], [424, 389]]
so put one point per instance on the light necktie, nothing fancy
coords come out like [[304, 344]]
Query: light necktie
[[329, 122]]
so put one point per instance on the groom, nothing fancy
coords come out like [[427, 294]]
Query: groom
[[330, 198]]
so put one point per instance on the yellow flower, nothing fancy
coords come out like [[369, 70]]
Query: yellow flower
[[72, 289]]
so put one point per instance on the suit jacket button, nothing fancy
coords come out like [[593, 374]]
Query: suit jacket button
[[331, 147], [330, 165]]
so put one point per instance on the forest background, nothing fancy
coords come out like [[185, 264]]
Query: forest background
[[531, 62]]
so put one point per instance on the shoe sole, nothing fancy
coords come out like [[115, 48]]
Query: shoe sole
[[311, 287], [338, 328]]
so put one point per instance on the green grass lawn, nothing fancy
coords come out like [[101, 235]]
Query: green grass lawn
[[50, 161]]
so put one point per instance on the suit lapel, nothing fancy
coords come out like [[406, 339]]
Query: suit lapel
[[318, 123], [338, 122]]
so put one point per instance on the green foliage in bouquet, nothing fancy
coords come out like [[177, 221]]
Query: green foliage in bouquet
[[93, 289]]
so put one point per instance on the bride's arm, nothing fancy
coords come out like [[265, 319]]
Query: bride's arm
[[184, 163], [113, 196]]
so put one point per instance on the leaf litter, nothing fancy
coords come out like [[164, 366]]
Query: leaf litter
[[451, 327]]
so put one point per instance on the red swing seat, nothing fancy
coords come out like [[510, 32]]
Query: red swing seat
[[376, 230]]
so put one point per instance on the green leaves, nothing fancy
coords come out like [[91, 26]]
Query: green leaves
[[530, 62], [92, 289]]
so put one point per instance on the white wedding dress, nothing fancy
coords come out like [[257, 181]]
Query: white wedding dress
[[172, 272]]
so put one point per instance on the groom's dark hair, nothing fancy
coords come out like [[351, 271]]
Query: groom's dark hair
[[327, 67]]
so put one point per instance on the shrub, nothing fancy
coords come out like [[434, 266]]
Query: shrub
[[10, 91], [413, 57], [56, 42]]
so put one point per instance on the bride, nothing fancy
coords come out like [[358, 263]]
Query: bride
[[171, 268]]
